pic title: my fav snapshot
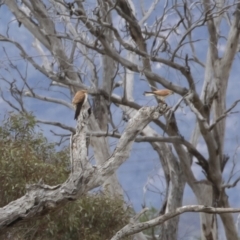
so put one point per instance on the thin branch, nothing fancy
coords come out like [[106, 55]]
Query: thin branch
[[149, 12], [176, 139], [136, 218], [231, 185], [133, 228], [57, 124], [199, 116], [48, 99], [223, 115]]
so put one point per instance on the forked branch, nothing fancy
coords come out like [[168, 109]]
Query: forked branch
[[42, 199]]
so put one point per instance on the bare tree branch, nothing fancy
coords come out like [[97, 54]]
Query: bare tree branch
[[47, 99], [57, 124], [231, 185], [224, 115], [42, 199], [132, 228]]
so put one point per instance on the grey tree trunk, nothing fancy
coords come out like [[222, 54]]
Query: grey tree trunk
[[118, 47]]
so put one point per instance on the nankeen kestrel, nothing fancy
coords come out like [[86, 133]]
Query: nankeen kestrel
[[78, 101], [160, 94]]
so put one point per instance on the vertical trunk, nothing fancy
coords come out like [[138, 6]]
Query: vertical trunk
[[169, 229], [175, 180], [227, 219], [102, 108], [208, 221], [203, 190]]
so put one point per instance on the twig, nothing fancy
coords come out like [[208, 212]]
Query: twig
[[231, 185], [224, 115], [57, 124]]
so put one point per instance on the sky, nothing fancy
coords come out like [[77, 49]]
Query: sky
[[141, 176]]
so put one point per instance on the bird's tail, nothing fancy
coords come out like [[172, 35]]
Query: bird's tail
[[78, 109], [148, 94]]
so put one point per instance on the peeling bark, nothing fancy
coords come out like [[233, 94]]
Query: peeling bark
[[41, 199], [96, 37]]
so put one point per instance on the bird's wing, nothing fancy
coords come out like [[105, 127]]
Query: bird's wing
[[78, 109], [79, 97], [162, 92], [78, 101]]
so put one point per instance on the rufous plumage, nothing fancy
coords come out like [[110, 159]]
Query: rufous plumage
[[78, 101], [160, 94]]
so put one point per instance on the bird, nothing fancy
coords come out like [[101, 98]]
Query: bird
[[78, 101], [160, 94]]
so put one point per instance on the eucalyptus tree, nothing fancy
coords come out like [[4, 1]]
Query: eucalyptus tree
[[112, 48]]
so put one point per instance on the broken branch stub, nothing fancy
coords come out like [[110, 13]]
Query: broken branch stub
[[79, 158]]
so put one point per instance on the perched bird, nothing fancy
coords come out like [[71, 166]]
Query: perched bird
[[160, 94], [78, 101]]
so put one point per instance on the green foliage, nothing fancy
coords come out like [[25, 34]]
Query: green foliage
[[150, 214], [94, 217], [26, 157]]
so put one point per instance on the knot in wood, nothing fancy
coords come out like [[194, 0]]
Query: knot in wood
[[155, 115]]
